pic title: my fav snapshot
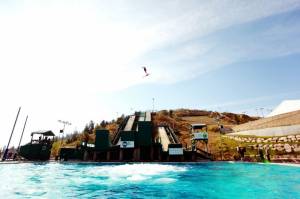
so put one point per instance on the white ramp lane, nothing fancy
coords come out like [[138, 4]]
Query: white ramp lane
[[164, 139], [129, 124]]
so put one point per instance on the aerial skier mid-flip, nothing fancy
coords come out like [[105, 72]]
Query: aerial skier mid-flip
[[145, 70]]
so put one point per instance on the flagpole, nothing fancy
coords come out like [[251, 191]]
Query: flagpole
[[22, 134], [7, 147]]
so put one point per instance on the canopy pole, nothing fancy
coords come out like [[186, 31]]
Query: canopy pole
[[6, 150], [22, 134]]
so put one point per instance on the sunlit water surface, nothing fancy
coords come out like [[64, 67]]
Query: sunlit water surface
[[202, 180]]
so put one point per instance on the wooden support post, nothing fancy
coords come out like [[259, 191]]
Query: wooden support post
[[159, 155], [193, 155], [85, 155], [95, 156], [121, 155], [136, 154], [108, 155], [182, 158], [151, 153]]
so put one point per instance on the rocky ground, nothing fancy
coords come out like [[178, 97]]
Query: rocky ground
[[281, 147]]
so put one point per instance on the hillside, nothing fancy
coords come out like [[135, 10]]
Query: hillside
[[179, 120]]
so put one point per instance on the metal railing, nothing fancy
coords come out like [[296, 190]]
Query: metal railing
[[120, 128]]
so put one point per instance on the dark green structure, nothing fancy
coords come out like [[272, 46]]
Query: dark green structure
[[38, 149], [144, 130], [71, 153], [128, 135], [102, 142], [144, 134], [87, 150]]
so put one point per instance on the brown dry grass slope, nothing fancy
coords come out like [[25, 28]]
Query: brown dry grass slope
[[181, 119]]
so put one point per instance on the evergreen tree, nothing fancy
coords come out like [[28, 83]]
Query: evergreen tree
[[103, 124], [91, 127]]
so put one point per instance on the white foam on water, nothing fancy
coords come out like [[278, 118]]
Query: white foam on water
[[284, 164], [165, 180], [134, 172], [136, 178]]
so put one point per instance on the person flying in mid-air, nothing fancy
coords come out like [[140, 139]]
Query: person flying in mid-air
[[145, 70]]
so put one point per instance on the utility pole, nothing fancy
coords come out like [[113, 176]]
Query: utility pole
[[257, 112], [152, 105], [262, 111], [221, 140], [7, 147], [63, 130], [22, 134]]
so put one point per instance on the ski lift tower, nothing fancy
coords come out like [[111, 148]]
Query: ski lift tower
[[199, 134]]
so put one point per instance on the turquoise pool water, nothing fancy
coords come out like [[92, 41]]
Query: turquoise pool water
[[202, 180]]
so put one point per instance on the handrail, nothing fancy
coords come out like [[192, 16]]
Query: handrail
[[174, 139], [204, 153], [135, 125], [121, 127]]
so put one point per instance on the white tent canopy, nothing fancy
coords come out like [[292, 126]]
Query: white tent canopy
[[286, 106]]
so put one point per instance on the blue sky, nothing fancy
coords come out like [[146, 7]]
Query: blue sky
[[264, 71], [82, 60], [258, 84]]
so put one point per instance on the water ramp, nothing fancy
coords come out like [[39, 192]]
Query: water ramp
[[164, 139], [145, 116], [130, 123], [169, 141], [121, 127], [148, 117]]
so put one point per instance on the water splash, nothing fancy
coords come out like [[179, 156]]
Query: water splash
[[135, 172], [165, 180]]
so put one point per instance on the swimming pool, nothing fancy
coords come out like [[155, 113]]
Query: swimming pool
[[149, 180]]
